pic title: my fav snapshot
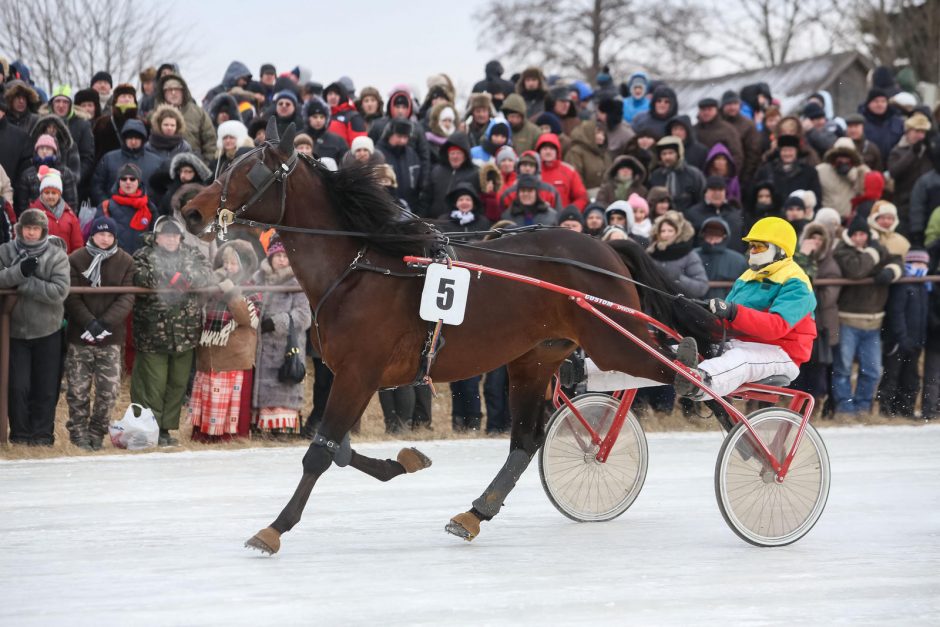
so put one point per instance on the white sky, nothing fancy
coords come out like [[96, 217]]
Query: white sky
[[378, 43]]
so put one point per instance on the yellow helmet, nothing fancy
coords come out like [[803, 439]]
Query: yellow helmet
[[774, 231]]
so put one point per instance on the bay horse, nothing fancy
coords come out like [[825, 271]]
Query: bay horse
[[345, 242]]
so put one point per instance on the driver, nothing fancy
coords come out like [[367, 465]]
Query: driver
[[769, 310]]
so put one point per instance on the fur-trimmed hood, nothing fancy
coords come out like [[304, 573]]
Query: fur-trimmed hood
[[815, 228], [686, 232], [63, 136], [434, 118], [844, 147], [369, 91], [190, 159], [532, 72], [223, 102], [633, 161], [15, 88], [184, 191], [486, 171], [167, 111], [158, 91], [246, 256]]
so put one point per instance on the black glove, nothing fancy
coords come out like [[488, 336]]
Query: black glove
[[722, 309], [267, 325], [95, 328], [28, 266], [885, 276]]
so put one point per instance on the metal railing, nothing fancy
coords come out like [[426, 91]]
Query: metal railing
[[8, 302]]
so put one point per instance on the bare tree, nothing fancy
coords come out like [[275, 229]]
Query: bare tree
[[583, 36], [67, 41], [893, 32]]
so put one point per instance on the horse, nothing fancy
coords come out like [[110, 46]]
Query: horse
[[345, 241]]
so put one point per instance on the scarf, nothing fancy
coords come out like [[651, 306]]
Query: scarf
[[98, 256], [140, 204], [219, 321], [165, 143], [463, 218], [57, 210], [24, 250], [670, 252]]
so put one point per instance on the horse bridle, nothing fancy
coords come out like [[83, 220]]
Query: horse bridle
[[261, 178]]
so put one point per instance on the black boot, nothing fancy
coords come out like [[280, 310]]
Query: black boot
[[459, 424], [687, 355], [473, 423]]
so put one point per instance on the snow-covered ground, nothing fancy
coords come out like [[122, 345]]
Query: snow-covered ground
[[157, 540]]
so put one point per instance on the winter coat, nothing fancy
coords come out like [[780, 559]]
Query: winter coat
[[827, 297], [563, 177], [648, 121], [346, 122], [685, 183], [128, 238], [590, 160], [733, 182], [678, 261], [786, 181], [731, 214], [720, 263], [40, 304], [611, 189], [281, 308], [906, 164], [634, 106], [27, 188], [863, 306], [69, 157], [199, 131], [871, 156], [883, 130], [534, 99], [719, 130], [540, 213], [111, 310], [750, 145], [695, 151], [925, 197], [164, 183], [408, 170], [16, 87], [106, 130], [775, 306], [165, 148], [443, 178], [168, 323], [837, 190], [906, 318], [327, 144], [66, 228], [234, 71], [523, 138], [16, 152], [485, 151]]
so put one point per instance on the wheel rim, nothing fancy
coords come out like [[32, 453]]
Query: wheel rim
[[580, 486], [760, 508]]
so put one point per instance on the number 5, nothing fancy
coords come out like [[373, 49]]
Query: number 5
[[445, 289]]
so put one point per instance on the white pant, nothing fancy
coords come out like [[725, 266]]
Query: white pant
[[747, 362]]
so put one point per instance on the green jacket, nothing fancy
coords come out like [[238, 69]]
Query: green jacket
[[169, 322]]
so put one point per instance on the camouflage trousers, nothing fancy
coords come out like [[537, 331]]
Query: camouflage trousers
[[86, 364]]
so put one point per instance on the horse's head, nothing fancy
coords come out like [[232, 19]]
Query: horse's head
[[251, 188]]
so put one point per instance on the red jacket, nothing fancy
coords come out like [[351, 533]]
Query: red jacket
[[563, 177], [67, 227], [346, 122]]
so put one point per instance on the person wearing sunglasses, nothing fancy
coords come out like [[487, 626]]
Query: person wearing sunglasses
[[768, 315]]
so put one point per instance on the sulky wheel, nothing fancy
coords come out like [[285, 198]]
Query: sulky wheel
[[760, 509], [581, 487]]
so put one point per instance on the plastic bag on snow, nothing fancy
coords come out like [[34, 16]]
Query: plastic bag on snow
[[137, 430]]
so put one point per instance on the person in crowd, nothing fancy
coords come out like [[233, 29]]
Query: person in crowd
[[533, 88], [404, 159], [363, 151], [572, 220], [166, 135], [609, 116], [198, 130], [96, 333], [685, 183], [620, 214], [855, 130], [167, 326], [267, 77], [906, 322], [816, 128], [721, 263], [67, 149], [79, 125], [715, 203], [594, 220], [148, 87], [406, 407], [236, 74], [861, 313], [102, 83], [481, 111], [711, 129], [719, 162], [183, 168], [278, 403], [529, 163], [130, 208], [559, 103], [883, 222], [345, 121], [370, 105], [286, 110], [61, 221], [22, 104], [787, 170], [16, 149], [401, 106], [642, 224], [884, 126], [105, 180], [841, 176], [634, 93], [527, 208], [106, 129], [815, 256], [455, 167], [233, 142], [559, 174], [672, 250], [496, 136], [696, 153], [222, 108], [663, 107], [466, 215], [441, 124], [764, 202], [617, 214], [523, 132], [303, 144], [795, 212], [747, 132], [625, 176], [907, 162], [660, 201], [491, 181], [45, 157], [86, 100], [316, 114], [36, 265], [588, 154], [220, 406]]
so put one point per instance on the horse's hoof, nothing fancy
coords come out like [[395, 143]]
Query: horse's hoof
[[413, 460], [465, 525], [268, 541]]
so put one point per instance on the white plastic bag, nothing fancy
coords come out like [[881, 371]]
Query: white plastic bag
[[86, 214], [136, 430]]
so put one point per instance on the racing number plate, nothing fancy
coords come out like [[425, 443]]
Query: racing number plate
[[445, 294]]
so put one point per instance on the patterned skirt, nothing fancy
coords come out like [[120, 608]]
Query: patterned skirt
[[220, 403], [277, 418]]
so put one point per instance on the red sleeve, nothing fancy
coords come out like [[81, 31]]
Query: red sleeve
[[491, 206], [760, 324], [579, 195]]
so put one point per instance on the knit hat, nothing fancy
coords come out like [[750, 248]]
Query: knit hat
[[917, 255], [101, 76], [571, 214], [903, 100], [704, 103], [49, 177], [829, 216], [47, 141], [528, 181], [400, 126], [813, 110], [130, 169], [104, 224], [716, 182], [730, 97], [267, 68], [32, 217], [794, 201], [275, 246], [638, 202], [302, 139], [285, 93], [551, 120], [62, 91], [504, 153], [875, 92], [917, 122], [859, 225], [363, 142]]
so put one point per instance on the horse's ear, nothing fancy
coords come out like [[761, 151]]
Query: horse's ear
[[287, 142], [270, 132]]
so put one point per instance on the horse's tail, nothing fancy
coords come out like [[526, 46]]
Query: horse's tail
[[662, 302]]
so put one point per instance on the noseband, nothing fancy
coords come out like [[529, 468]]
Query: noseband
[[261, 178]]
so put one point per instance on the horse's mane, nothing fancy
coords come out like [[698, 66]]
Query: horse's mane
[[362, 204]]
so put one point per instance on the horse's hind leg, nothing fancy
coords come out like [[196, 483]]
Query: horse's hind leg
[[529, 379]]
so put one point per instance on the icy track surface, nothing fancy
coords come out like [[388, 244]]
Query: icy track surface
[[157, 539]]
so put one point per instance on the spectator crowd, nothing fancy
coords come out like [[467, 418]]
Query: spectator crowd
[[92, 181]]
